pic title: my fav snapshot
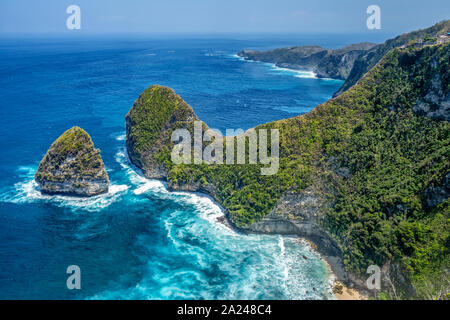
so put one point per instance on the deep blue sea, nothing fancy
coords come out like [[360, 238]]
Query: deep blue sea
[[140, 241]]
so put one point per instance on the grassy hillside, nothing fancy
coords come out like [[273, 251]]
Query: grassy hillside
[[371, 57]]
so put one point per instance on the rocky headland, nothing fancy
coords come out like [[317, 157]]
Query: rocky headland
[[351, 62], [349, 180], [325, 63]]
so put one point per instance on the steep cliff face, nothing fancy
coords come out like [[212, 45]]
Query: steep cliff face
[[149, 124], [435, 195], [324, 63], [302, 214], [435, 103], [349, 63], [72, 166]]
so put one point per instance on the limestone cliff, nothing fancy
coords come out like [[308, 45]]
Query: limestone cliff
[[324, 63], [149, 124], [72, 166], [371, 57]]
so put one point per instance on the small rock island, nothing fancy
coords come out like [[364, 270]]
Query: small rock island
[[72, 166]]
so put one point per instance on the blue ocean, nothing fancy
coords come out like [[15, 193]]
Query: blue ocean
[[141, 241]]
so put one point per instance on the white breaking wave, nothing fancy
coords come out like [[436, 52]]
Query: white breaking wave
[[305, 74], [273, 259], [27, 191], [286, 267], [281, 245], [206, 206], [239, 58], [296, 73]]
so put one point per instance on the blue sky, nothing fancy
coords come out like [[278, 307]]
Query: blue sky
[[213, 16]]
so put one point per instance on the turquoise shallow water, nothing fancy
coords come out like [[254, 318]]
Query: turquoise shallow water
[[139, 241]]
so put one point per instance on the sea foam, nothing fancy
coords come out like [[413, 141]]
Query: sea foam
[[27, 191], [292, 72], [206, 206]]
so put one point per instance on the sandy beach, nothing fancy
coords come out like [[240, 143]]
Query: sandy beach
[[344, 293]]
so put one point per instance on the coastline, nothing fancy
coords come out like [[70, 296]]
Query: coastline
[[340, 290], [299, 72], [304, 206], [346, 293], [343, 292]]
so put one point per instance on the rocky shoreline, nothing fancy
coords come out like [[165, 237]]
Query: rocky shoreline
[[320, 240], [326, 184], [325, 63], [299, 214], [345, 286]]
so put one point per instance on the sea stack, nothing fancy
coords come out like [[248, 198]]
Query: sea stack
[[72, 166]]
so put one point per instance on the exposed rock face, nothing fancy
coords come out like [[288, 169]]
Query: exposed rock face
[[331, 205], [324, 63], [436, 195], [72, 166], [301, 214], [150, 122], [436, 103]]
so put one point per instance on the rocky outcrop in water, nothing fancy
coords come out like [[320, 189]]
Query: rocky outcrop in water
[[72, 166], [351, 169]]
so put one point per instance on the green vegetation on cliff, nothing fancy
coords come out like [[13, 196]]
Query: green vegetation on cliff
[[155, 114], [349, 63], [146, 129], [390, 155], [371, 57]]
